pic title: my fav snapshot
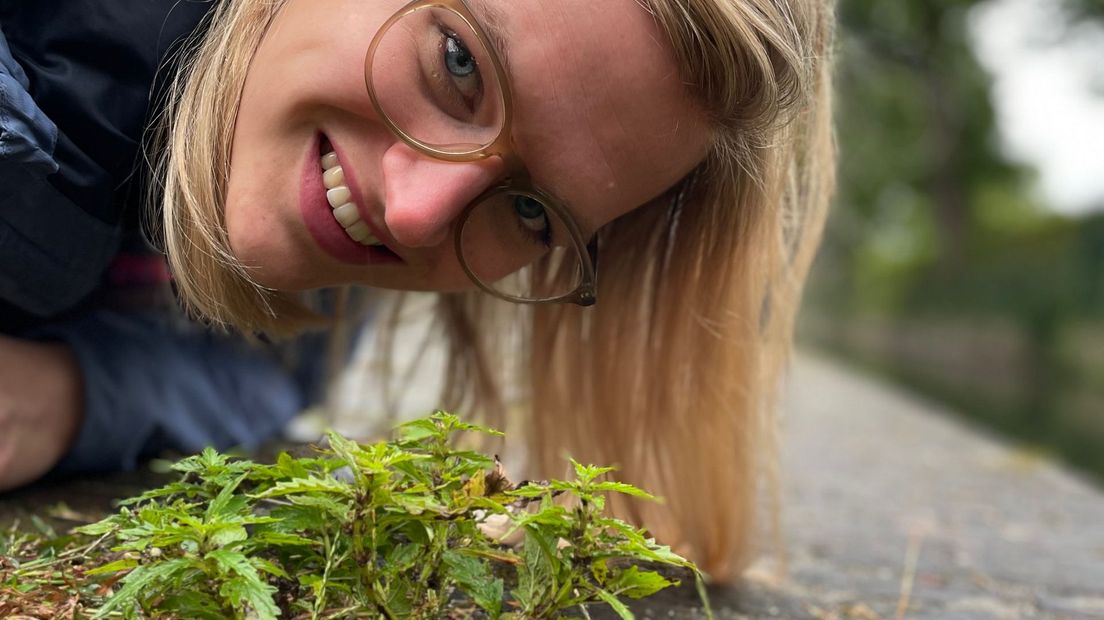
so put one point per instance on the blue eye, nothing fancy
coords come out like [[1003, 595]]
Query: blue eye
[[458, 60], [531, 213]]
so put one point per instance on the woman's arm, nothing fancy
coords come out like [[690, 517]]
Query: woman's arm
[[108, 389], [41, 405]]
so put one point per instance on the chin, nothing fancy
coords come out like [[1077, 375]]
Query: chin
[[280, 281]]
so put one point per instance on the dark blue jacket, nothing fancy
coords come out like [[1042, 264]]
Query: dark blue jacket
[[77, 89]]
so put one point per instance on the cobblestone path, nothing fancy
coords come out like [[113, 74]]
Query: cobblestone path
[[892, 506]]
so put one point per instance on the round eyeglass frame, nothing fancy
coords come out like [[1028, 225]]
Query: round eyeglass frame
[[516, 179]]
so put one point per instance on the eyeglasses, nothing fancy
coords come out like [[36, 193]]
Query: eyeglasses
[[437, 84]]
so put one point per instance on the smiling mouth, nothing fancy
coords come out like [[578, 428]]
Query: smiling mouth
[[340, 199]]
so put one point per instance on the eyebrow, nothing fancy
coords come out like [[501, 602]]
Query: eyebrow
[[490, 20]]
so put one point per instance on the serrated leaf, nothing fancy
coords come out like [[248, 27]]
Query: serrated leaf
[[402, 556], [453, 423], [113, 567], [100, 528], [660, 553], [529, 491], [349, 451], [171, 489], [630, 532], [417, 430], [146, 579], [245, 586], [418, 532], [616, 605], [624, 489], [635, 583], [476, 486], [418, 504], [229, 561], [475, 579], [400, 600], [600, 570], [334, 507], [193, 605], [280, 539], [587, 473], [470, 460], [223, 535], [551, 516], [536, 573], [226, 503], [293, 519], [196, 463], [251, 594], [270, 567], [290, 467], [329, 486]]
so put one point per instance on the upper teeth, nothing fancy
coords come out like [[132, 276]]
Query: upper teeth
[[341, 201]]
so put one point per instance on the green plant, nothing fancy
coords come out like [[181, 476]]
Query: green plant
[[389, 530]]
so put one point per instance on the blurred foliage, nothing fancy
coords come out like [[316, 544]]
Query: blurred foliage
[[918, 149], [933, 223], [1091, 9]]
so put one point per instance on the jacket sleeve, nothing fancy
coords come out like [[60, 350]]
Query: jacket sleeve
[[45, 267], [152, 384]]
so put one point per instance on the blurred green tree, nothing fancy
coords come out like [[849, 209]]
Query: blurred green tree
[[933, 225], [1092, 9], [918, 145]]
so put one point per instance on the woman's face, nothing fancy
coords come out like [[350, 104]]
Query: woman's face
[[601, 120]]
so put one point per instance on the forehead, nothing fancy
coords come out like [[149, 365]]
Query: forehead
[[601, 116]]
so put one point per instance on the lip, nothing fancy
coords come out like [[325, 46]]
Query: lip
[[320, 223]]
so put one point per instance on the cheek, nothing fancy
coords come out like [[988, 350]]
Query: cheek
[[263, 233], [254, 240], [446, 274], [314, 53]]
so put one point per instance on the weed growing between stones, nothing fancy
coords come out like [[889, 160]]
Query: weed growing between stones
[[390, 530]]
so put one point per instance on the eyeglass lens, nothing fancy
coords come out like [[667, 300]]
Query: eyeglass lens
[[435, 81], [507, 231]]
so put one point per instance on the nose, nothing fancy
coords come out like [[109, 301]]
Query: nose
[[424, 196]]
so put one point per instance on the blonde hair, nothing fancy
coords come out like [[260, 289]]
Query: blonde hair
[[673, 375], [194, 134]]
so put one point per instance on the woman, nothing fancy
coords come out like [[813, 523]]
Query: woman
[[98, 370], [487, 149]]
